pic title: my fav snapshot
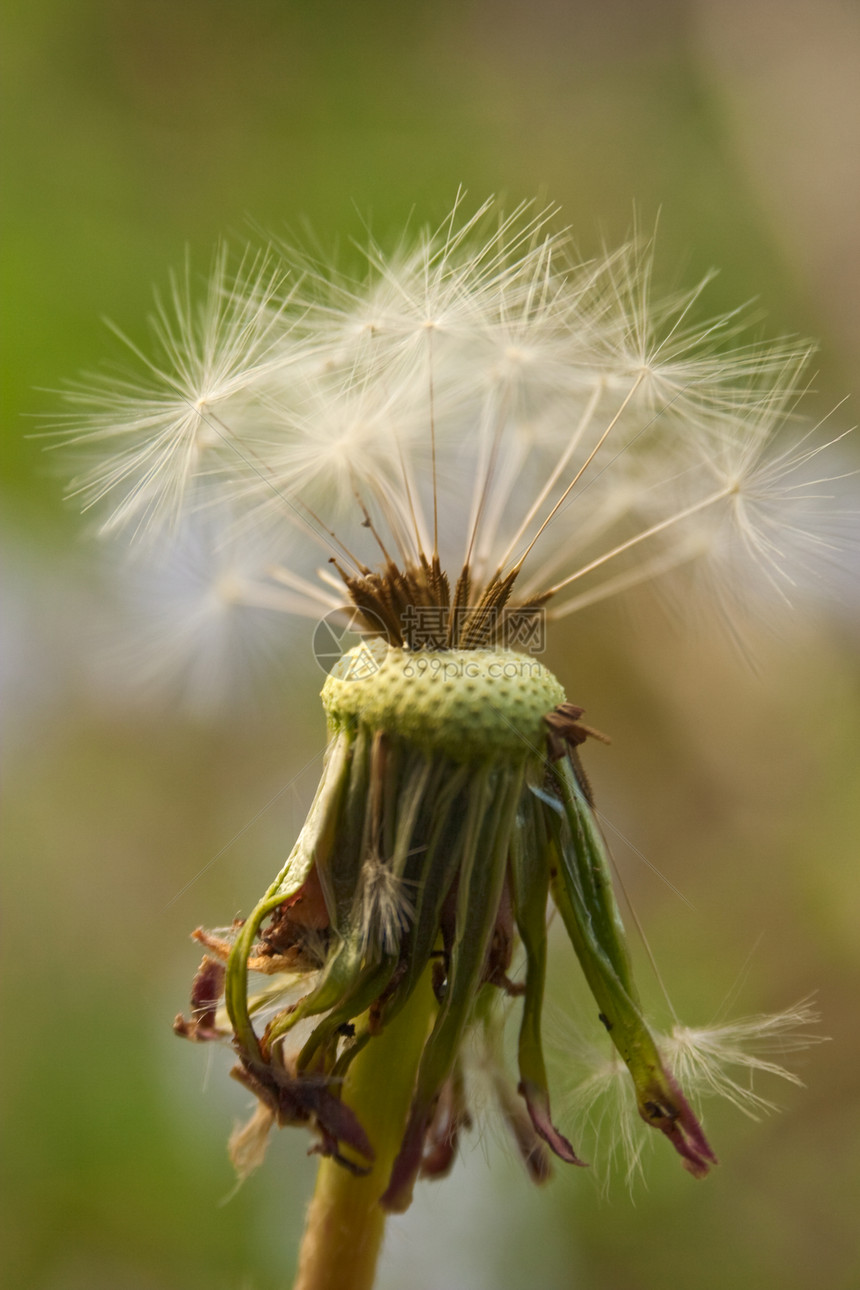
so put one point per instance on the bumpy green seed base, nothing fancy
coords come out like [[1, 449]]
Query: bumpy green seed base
[[469, 705]]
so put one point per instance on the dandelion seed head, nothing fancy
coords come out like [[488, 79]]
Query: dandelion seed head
[[548, 409], [480, 393], [477, 427]]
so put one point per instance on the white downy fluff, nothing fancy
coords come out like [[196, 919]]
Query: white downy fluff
[[481, 391]]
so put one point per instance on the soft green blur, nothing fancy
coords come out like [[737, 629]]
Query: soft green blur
[[137, 130]]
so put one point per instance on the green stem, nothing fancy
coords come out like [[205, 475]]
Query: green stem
[[345, 1224]]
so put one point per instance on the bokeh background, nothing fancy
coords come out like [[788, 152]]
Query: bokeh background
[[134, 131]]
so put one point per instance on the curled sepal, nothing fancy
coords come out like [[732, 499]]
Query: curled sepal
[[450, 1118], [306, 1101], [312, 848], [537, 1101], [490, 814], [582, 890], [206, 990], [664, 1107], [529, 870], [531, 1146]]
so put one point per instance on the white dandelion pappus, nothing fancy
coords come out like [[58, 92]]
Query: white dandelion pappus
[[722, 1060], [386, 906], [156, 435], [200, 617], [516, 408]]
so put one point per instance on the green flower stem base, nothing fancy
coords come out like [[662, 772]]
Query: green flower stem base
[[346, 1223]]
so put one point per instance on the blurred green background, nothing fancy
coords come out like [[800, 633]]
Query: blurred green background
[[134, 131]]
